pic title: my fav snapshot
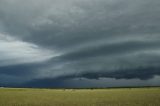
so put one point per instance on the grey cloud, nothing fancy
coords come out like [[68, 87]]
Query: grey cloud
[[89, 83], [140, 73], [83, 38], [112, 49]]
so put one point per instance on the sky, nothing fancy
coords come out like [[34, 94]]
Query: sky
[[79, 43]]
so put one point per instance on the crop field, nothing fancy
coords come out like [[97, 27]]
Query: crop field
[[80, 97]]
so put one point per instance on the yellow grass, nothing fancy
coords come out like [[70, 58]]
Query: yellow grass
[[81, 97]]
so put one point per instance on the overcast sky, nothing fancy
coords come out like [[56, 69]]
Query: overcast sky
[[79, 43]]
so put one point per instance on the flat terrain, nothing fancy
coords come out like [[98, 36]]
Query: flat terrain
[[80, 97]]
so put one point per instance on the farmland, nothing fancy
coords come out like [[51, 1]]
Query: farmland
[[80, 97]]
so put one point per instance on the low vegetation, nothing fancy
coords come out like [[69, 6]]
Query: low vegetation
[[80, 97]]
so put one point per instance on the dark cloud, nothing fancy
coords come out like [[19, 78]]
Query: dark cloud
[[140, 73], [47, 42], [111, 49], [40, 83]]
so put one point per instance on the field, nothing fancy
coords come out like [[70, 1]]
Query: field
[[80, 97]]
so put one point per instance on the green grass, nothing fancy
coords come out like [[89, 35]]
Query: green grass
[[80, 97]]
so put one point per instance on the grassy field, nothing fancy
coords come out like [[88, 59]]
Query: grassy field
[[80, 97]]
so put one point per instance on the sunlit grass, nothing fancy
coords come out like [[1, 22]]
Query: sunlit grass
[[80, 97]]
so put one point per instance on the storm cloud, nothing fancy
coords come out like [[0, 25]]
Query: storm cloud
[[58, 43]]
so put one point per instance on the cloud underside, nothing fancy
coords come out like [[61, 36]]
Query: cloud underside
[[57, 40]]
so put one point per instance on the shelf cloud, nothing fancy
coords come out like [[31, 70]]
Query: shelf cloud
[[57, 43]]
